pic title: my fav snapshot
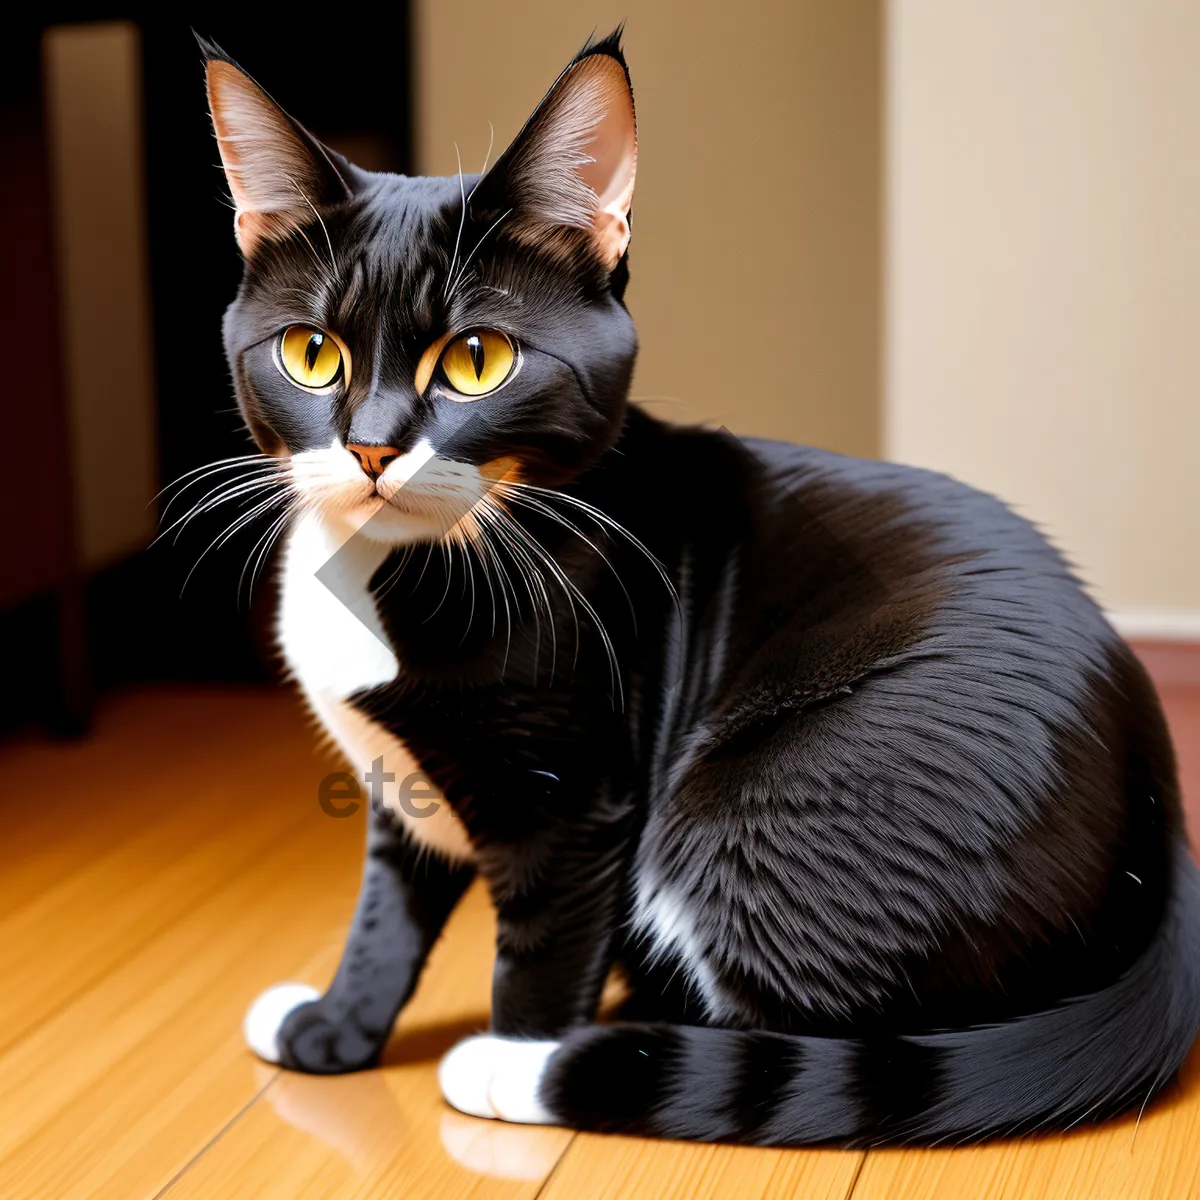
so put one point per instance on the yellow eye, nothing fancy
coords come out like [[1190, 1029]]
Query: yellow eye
[[479, 362], [310, 356]]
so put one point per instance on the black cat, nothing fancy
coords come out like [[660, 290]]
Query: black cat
[[834, 759]]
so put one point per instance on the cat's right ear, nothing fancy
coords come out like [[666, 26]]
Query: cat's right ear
[[572, 166], [279, 175]]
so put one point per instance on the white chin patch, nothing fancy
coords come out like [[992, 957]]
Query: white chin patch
[[497, 1077], [387, 525], [264, 1017]]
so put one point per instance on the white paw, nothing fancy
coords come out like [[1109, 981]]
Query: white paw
[[497, 1077], [264, 1017]]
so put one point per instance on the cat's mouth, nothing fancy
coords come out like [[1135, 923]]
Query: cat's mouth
[[445, 503], [418, 496]]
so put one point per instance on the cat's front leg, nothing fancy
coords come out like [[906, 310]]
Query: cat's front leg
[[558, 906], [405, 897]]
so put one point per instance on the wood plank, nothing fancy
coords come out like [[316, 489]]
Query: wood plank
[[122, 1086], [110, 855], [66, 803], [1121, 1160], [106, 911], [616, 1168], [179, 880], [387, 1133]]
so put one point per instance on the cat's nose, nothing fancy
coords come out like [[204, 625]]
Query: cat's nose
[[373, 459]]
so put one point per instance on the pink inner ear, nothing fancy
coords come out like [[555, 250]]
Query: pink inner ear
[[613, 148], [272, 177]]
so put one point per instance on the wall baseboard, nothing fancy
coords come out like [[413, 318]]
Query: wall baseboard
[[1156, 624], [1167, 641]]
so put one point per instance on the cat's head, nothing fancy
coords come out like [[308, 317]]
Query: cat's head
[[404, 343]]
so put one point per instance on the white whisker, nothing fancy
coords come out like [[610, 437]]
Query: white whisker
[[486, 158], [234, 460], [240, 523], [467, 260], [213, 499], [601, 518], [253, 464], [328, 241], [546, 511], [266, 541], [462, 218], [531, 577], [502, 577], [569, 586]]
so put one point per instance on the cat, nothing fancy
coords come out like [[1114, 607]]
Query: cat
[[833, 759]]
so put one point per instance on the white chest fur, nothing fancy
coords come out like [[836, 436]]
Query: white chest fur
[[335, 647]]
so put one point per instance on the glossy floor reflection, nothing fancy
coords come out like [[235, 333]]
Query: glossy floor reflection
[[359, 1117]]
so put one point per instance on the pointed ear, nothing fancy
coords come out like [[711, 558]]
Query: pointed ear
[[573, 164], [278, 173]]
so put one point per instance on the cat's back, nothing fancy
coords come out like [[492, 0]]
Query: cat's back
[[914, 676], [955, 622], [899, 528], [828, 484]]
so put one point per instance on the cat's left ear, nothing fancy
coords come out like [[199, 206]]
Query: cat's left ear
[[572, 166], [279, 175]]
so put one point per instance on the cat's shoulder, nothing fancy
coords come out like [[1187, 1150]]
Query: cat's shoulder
[[917, 495]]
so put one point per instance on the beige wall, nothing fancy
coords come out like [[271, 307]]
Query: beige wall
[[94, 115], [1036, 184], [1044, 273], [756, 251]]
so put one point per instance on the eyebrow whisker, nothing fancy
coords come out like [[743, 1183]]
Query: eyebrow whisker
[[462, 219], [466, 261]]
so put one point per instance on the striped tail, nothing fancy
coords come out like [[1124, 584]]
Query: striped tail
[[1090, 1058]]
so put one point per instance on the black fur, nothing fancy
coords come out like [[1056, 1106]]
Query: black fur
[[1088, 1058], [403, 903], [912, 795]]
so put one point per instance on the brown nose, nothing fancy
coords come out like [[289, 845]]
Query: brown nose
[[373, 459]]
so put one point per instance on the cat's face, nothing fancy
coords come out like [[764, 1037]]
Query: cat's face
[[408, 346]]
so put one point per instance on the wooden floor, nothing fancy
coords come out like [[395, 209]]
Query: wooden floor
[[156, 876]]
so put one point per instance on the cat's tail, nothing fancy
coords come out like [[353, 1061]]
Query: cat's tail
[[1089, 1058]]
